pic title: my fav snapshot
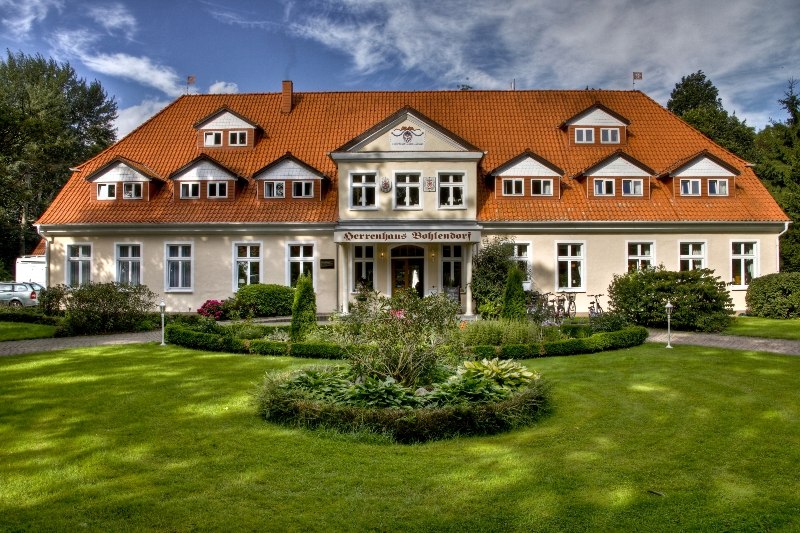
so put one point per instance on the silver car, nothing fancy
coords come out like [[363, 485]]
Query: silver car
[[19, 294]]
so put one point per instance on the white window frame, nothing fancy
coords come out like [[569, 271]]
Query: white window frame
[[719, 184], [301, 259], [179, 259], [190, 186], [609, 136], [272, 187], [357, 181], [84, 273], [525, 257], [639, 256], [235, 260], [691, 257], [448, 262], [580, 259], [215, 136], [692, 184], [235, 136], [360, 265], [744, 257], [632, 183], [129, 190], [130, 260], [447, 186], [600, 186], [214, 184], [408, 186], [106, 191], [306, 189], [545, 184], [515, 184], [584, 135]]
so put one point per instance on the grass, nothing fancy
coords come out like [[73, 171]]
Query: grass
[[149, 438], [15, 331], [751, 326]]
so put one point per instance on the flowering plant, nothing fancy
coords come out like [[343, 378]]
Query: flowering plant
[[211, 309]]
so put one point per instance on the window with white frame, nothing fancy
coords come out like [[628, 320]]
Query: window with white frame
[[690, 187], [301, 261], [212, 138], [132, 191], [79, 264], [106, 191], [452, 263], [541, 187], [604, 186], [274, 189], [302, 189], [407, 191], [129, 264], [363, 267], [237, 138], [363, 188], [451, 190], [640, 255], [217, 189], [692, 255], [248, 263], [179, 267], [570, 259], [743, 263], [584, 135], [632, 187], [513, 186], [521, 256], [609, 135], [190, 189], [718, 187]]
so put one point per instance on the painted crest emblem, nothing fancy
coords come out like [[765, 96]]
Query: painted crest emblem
[[386, 184]]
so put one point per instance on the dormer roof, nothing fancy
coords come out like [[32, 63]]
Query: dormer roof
[[617, 164], [288, 167], [204, 167], [596, 115], [527, 164], [127, 169], [225, 118], [703, 163]]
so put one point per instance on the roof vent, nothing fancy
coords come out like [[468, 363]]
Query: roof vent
[[286, 97]]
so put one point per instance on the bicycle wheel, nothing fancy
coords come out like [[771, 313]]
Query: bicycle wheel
[[571, 309]]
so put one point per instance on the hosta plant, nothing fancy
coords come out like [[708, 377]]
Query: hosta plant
[[505, 372]]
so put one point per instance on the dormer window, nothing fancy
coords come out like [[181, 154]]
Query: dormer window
[[217, 189], [190, 190], [106, 191], [603, 187], [609, 135], [303, 189], [718, 187], [237, 138], [212, 138], [131, 191], [690, 187], [584, 135], [513, 187], [541, 187], [274, 189], [632, 187]]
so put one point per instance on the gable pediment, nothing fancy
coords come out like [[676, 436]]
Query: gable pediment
[[597, 115], [702, 166], [288, 167], [120, 170], [224, 119], [617, 165], [203, 169], [528, 164]]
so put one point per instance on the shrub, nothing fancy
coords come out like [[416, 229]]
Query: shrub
[[576, 330], [268, 347], [497, 332], [304, 309], [107, 307], [490, 266], [30, 315], [616, 340], [774, 295], [260, 300], [52, 300], [514, 307], [700, 299], [316, 350], [483, 351], [202, 340], [212, 309], [608, 321]]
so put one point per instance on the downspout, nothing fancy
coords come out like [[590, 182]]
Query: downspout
[[778, 248], [46, 255]]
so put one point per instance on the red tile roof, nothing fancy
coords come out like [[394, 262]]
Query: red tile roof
[[503, 124]]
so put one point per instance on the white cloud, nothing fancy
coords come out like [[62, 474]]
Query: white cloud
[[223, 87], [141, 69], [115, 18], [131, 117], [19, 16]]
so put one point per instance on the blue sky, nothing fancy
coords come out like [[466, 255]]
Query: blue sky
[[143, 50]]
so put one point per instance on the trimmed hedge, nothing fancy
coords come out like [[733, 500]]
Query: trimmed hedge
[[29, 317], [316, 350], [261, 300], [775, 295], [576, 331]]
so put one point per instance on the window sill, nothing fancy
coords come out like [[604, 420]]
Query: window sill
[[184, 290]]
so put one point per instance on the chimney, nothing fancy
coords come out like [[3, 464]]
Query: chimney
[[286, 97]]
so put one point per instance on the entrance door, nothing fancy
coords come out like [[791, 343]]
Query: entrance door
[[408, 268]]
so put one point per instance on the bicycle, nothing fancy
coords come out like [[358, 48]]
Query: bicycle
[[569, 309], [594, 306]]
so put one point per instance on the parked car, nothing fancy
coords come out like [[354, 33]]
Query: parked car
[[19, 294]]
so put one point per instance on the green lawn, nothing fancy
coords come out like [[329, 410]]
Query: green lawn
[[751, 326], [149, 438], [15, 331]]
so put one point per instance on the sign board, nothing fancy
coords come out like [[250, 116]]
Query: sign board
[[327, 263], [421, 236]]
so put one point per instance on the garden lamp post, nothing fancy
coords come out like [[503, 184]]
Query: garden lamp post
[[162, 306], [668, 307]]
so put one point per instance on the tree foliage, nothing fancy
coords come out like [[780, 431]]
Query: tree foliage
[[693, 91], [490, 267], [50, 120]]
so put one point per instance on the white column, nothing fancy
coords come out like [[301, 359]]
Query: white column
[[344, 264], [468, 276]]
